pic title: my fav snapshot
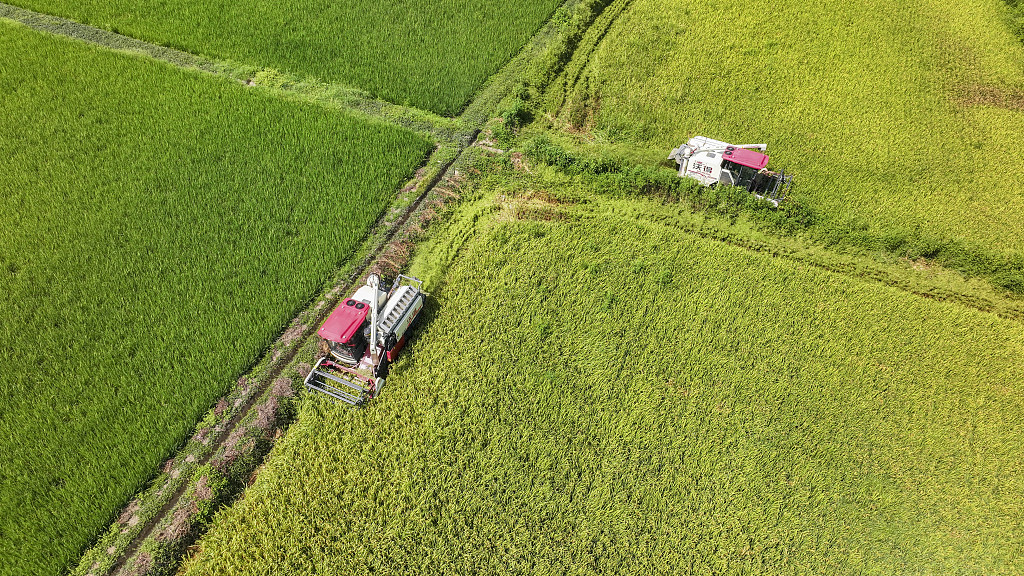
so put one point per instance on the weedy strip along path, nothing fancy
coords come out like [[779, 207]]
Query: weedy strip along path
[[432, 56], [288, 85]]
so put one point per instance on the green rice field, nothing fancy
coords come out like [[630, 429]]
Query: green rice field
[[616, 372], [898, 119], [432, 55], [158, 229], [594, 392]]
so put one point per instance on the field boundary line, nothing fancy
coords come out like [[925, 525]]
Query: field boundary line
[[864, 270], [276, 82]]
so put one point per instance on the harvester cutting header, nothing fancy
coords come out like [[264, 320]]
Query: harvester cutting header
[[712, 162], [362, 336]]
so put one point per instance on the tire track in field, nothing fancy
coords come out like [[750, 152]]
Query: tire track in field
[[584, 52]]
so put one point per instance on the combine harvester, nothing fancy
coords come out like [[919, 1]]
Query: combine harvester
[[712, 162], [362, 337]]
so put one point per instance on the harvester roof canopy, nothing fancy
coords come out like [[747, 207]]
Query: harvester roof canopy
[[745, 157], [343, 323]]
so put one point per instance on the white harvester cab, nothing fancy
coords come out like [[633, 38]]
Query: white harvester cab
[[712, 162]]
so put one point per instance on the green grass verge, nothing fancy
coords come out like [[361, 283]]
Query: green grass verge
[[899, 119], [603, 394], [158, 228], [433, 56]]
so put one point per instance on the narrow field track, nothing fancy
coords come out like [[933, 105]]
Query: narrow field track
[[340, 291], [427, 123]]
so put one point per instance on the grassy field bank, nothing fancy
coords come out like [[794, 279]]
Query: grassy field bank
[[899, 119], [431, 55], [158, 228], [595, 393]]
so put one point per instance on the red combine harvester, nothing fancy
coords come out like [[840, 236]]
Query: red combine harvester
[[363, 335], [712, 162]]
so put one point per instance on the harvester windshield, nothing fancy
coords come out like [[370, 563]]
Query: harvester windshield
[[763, 183], [741, 175]]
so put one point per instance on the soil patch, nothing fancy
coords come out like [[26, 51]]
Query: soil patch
[[992, 96]]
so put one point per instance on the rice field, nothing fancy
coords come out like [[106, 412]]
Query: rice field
[[592, 389], [158, 228], [432, 55], [595, 393], [898, 119]]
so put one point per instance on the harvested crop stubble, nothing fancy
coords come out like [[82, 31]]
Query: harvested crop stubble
[[158, 228], [605, 396], [432, 55], [871, 104]]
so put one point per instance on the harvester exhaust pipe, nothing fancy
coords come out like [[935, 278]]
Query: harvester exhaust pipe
[[373, 281]]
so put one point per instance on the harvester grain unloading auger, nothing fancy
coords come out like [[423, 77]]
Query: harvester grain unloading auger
[[360, 349], [712, 162]]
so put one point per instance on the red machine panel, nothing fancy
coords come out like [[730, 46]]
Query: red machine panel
[[745, 157], [345, 321]]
